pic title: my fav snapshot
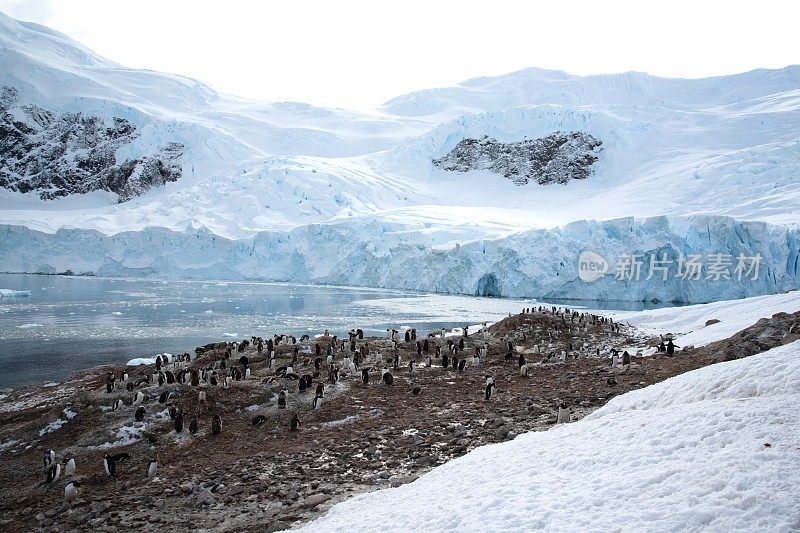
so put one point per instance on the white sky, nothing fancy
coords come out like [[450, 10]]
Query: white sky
[[359, 54]]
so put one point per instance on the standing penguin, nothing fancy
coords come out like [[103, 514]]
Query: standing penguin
[[109, 466], [152, 467], [139, 414], [53, 473], [365, 376], [179, 421], [216, 425], [489, 387], [71, 492], [138, 398], [563, 413], [69, 467], [116, 404], [388, 379], [294, 423], [320, 389], [462, 364], [317, 402], [193, 427], [281, 401], [164, 396]]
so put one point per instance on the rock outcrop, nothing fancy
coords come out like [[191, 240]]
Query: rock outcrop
[[58, 154], [555, 158]]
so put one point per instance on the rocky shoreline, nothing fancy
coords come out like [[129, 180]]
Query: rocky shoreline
[[363, 437]]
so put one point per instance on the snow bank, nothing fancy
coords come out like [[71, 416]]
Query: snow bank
[[690, 321], [714, 449]]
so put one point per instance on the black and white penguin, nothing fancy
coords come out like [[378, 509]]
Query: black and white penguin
[[445, 361], [53, 473], [365, 376], [71, 491], [462, 364], [151, 468], [388, 379], [416, 390], [179, 421], [193, 426], [173, 411], [216, 425], [294, 423], [563, 413], [489, 387], [626, 358], [428, 361], [523, 371], [138, 398], [116, 404], [258, 420], [521, 360], [69, 467], [320, 389], [317, 402], [109, 466]]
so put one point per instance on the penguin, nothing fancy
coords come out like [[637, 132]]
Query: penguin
[[193, 425], [129, 386], [416, 390], [53, 473], [365, 376], [388, 379], [462, 364], [320, 389], [521, 360], [428, 361], [71, 491], [626, 358], [301, 385], [216, 425], [489, 387], [247, 372], [258, 420], [139, 414], [213, 380], [138, 398], [455, 362], [281, 402], [116, 404], [445, 361], [179, 422], [161, 379], [69, 467], [317, 402], [563, 413], [523, 370], [151, 468], [294, 423], [173, 411], [109, 466]]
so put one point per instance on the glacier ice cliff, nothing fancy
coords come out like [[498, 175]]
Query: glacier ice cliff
[[374, 253]]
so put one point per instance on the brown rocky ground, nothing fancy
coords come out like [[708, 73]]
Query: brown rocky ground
[[362, 438]]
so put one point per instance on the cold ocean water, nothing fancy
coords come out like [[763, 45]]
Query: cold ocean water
[[71, 323]]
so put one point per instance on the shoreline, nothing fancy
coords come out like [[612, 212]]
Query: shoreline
[[362, 438]]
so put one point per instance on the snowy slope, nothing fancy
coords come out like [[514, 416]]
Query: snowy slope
[[715, 449], [689, 149]]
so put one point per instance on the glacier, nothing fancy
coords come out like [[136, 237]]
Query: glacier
[[371, 252]]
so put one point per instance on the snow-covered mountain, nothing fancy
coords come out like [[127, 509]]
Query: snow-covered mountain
[[289, 191]]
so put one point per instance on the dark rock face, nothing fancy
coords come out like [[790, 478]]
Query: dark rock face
[[61, 154], [556, 158]]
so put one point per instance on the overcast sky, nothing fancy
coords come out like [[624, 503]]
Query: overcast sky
[[359, 54]]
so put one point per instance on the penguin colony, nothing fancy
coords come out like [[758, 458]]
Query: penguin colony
[[299, 385]]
